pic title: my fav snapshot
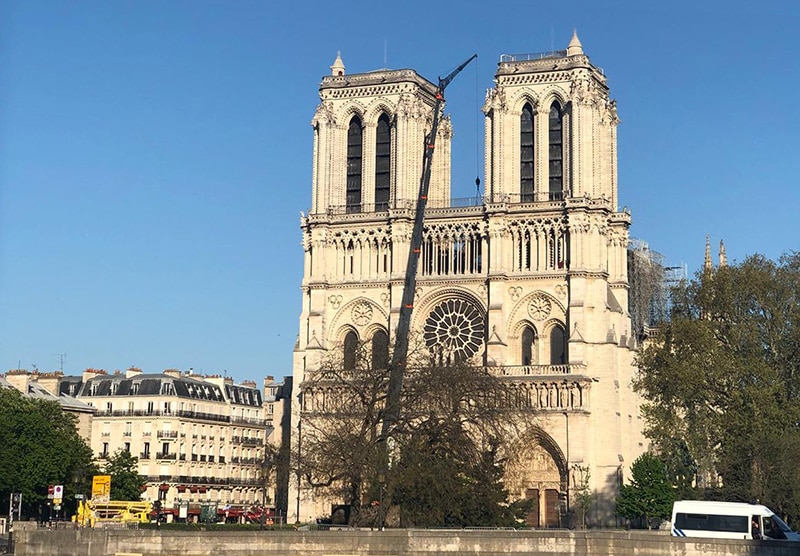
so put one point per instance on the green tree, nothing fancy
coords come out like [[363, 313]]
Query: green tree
[[451, 438], [584, 497], [126, 483], [649, 494], [40, 447], [445, 466], [722, 384]]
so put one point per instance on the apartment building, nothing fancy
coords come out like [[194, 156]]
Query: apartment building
[[199, 439]]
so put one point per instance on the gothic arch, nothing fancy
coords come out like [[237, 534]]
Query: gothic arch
[[346, 113], [555, 338], [537, 469], [341, 334], [525, 96], [362, 315], [521, 312], [551, 94], [374, 111]]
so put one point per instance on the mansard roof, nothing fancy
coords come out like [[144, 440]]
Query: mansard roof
[[37, 391], [163, 384]]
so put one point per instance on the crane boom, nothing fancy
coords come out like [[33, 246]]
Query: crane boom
[[398, 363]]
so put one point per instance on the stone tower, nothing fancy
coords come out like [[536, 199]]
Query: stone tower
[[530, 281]]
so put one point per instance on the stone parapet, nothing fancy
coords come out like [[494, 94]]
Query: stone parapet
[[400, 542]]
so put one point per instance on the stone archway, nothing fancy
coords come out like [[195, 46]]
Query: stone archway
[[537, 471]]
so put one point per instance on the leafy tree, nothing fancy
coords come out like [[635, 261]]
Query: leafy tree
[[584, 497], [649, 494], [40, 447], [722, 384], [451, 437], [344, 400], [445, 466], [126, 483]]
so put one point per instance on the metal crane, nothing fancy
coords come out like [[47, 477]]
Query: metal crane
[[398, 363]]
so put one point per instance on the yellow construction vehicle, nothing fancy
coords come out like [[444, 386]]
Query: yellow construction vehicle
[[91, 513]]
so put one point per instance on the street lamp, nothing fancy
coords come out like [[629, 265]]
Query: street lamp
[[266, 466], [381, 480]]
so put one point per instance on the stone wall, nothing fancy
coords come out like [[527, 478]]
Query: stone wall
[[88, 542]]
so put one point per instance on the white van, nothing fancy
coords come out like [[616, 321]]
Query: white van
[[728, 520]]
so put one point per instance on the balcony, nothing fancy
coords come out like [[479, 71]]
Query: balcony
[[166, 455], [144, 455], [169, 435], [537, 370], [201, 416]]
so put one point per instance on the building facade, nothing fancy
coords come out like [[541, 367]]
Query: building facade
[[199, 439], [530, 281]]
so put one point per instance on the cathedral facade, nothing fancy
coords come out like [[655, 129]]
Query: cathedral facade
[[529, 281]]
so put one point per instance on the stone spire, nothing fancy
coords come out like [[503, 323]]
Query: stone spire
[[723, 258], [337, 68], [708, 266], [575, 48]]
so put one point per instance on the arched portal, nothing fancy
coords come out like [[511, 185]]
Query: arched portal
[[537, 471]]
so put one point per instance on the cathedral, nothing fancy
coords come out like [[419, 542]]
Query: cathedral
[[529, 280]]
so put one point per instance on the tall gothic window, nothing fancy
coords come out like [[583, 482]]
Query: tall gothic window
[[350, 350], [556, 151], [528, 338], [383, 163], [380, 350], [558, 346], [526, 154], [354, 150]]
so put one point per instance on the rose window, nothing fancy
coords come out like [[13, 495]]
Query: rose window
[[454, 330], [362, 313], [539, 308]]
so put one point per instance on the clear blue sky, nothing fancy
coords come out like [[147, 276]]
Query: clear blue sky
[[155, 156]]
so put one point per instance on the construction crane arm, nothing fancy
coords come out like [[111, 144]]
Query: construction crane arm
[[397, 364]]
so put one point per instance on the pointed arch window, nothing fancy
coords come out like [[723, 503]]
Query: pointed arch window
[[526, 154], [350, 350], [380, 350], [558, 346], [528, 339], [354, 153], [383, 163], [556, 151]]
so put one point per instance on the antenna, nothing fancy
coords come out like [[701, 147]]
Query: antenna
[[385, 53], [61, 357]]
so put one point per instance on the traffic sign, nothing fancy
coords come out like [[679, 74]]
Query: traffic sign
[[101, 488], [58, 491]]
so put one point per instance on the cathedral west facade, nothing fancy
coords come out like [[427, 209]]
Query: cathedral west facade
[[529, 281]]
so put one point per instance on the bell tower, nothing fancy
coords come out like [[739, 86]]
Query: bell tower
[[369, 130]]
